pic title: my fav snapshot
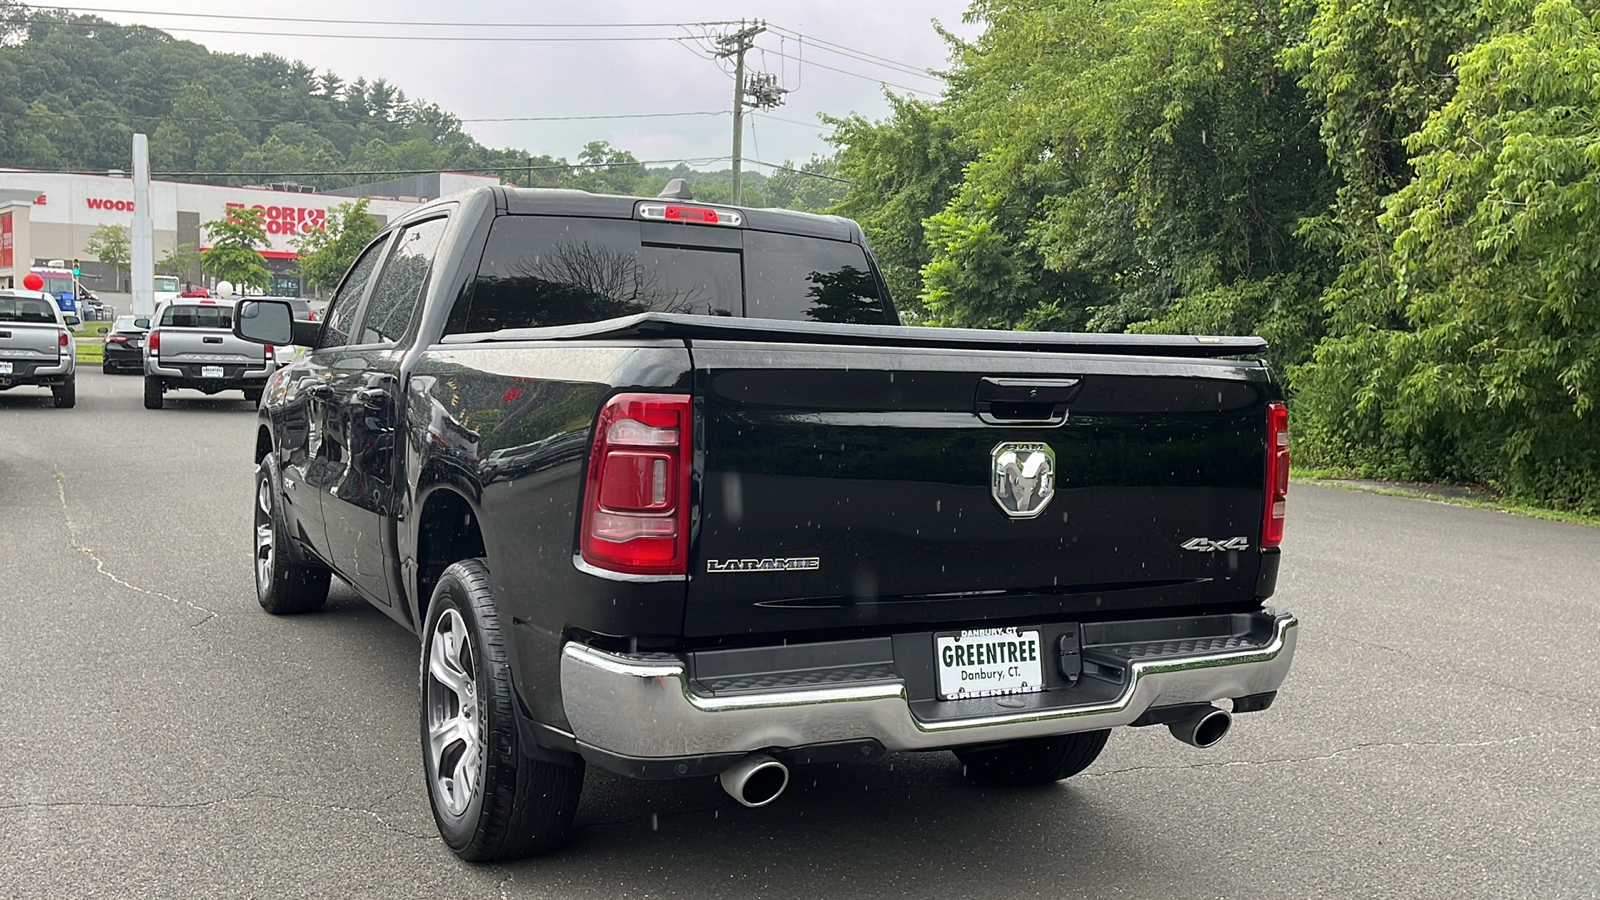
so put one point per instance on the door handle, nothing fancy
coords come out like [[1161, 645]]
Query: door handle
[[372, 397]]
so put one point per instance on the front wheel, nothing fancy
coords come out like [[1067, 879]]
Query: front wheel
[[283, 586], [1034, 761], [152, 392], [491, 799]]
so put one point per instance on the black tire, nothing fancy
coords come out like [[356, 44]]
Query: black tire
[[495, 801], [284, 587], [253, 395], [1034, 761], [152, 392], [66, 395]]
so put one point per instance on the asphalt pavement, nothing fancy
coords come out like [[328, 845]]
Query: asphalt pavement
[[163, 737]]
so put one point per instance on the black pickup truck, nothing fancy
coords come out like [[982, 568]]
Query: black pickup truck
[[664, 487]]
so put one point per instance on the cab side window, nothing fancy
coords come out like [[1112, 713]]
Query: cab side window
[[399, 289], [342, 309]]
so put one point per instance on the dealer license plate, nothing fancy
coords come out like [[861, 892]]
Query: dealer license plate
[[988, 662], [210, 371], [5, 368]]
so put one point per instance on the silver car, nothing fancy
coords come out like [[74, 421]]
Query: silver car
[[36, 346]]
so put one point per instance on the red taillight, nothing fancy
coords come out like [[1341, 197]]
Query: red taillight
[[64, 339], [117, 339], [635, 501], [311, 315], [154, 343], [1276, 491]]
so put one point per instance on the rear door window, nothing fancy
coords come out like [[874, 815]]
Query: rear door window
[[405, 276]]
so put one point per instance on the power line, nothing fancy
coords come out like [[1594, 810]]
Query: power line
[[335, 120], [398, 24], [881, 81], [493, 39], [509, 167], [799, 171], [861, 55]]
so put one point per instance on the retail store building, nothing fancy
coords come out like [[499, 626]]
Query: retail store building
[[47, 216]]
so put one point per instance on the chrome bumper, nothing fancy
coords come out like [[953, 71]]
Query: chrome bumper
[[646, 707]]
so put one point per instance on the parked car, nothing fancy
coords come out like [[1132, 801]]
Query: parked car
[[665, 488], [123, 348], [36, 346], [192, 347]]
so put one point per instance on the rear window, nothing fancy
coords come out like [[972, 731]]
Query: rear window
[[540, 271], [197, 317], [27, 309]]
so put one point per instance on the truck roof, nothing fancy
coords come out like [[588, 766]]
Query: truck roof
[[568, 202]]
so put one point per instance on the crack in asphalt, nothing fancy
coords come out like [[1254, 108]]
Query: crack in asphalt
[[1354, 748], [100, 566], [1474, 676], [202, 804]]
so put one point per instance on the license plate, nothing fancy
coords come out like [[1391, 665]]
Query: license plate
[[5, 368], [988, 662], [210, 371]]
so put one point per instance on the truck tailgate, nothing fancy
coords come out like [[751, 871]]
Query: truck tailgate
[[211, 346], [850, 487], [30, 342]]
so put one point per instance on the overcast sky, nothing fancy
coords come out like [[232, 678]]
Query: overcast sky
[[492, 79]]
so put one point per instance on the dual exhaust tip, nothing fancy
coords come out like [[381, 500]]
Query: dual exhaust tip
[[758, 779]]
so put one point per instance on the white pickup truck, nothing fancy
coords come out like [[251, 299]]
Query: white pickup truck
[[191, 346], [36, 346]]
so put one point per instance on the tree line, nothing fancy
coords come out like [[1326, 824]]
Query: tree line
[[1403, 197]]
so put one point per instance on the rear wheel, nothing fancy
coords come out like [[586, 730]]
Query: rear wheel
[[152, 392], [66, 395], [1035, 761], [491, 799], [283, 586]]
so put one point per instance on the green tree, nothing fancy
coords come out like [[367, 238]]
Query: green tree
[[182, 261], [235, 251], [109, 245], [1479, 356], [327, 253]]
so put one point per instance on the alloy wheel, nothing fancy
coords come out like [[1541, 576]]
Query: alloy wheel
[[266, 540], [455, 729]]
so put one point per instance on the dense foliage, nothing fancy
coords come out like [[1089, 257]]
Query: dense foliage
[[1403, 197]]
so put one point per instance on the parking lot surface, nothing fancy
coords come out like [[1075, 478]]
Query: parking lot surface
[[163, 737]]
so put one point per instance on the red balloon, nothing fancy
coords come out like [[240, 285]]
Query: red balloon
[[32, 281]]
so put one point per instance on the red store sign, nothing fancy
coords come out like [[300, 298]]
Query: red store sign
[[289, 219]]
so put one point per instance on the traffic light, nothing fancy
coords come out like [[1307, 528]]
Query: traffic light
[[76, 270]]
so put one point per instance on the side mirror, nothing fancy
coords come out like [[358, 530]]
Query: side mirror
[[264, 322], [141, 322], [102, 329]]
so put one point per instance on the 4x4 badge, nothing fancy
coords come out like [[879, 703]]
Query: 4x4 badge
[[1023, 478], [1207, 545]]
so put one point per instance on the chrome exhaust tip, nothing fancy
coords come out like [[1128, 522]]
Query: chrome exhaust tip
[[1203, 729], [756, 780]]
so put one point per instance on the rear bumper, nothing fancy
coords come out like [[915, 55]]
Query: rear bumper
[[644, 707], [31, 372], [189, 374]]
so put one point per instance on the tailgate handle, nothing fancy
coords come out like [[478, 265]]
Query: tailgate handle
[[1025, 401], [212, 340], [5, 334]]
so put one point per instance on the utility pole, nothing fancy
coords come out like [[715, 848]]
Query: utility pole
[[736, 45]]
